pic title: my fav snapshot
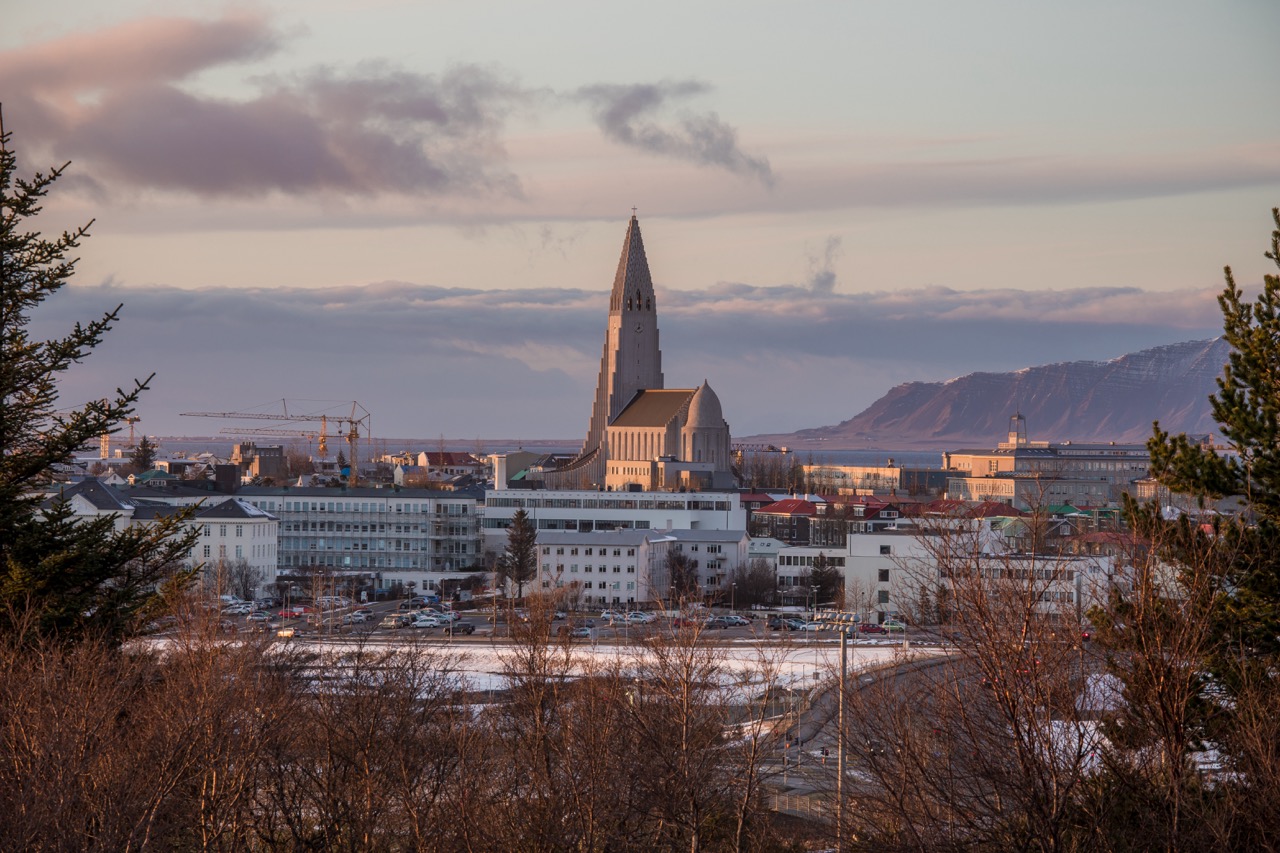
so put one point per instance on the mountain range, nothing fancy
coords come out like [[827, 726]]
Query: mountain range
[[1088, 401]]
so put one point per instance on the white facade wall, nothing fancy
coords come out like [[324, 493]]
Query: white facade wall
[[588, 510], [252, 539], [884, 572], [606, 569]]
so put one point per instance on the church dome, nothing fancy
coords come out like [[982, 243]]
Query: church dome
[[704, 408]]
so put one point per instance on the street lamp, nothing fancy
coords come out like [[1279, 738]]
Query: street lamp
[[813, 611], [733, 598]]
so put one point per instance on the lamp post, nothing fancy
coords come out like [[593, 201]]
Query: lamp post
[[844, 673], [813, 611], [733, 598]]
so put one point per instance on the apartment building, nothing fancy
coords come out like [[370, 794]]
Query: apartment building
[[629, 567]]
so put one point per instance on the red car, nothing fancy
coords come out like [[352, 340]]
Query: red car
[[296, 611], [871, 628]]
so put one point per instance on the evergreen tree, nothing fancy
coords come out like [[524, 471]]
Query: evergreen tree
[[58, 575], [829, 581], [519, 561], [143, 456], [1244, 553], [1194, 637]]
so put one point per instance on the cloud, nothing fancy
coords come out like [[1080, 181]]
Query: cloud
[[464, 362], [126, 101], [822, 276], [116, 99], [628, 114]]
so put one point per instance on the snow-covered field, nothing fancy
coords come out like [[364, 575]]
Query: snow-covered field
[[481, 666]]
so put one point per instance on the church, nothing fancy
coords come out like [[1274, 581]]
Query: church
[[643, 436]]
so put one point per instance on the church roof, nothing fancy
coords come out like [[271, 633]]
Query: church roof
[[633, 270], [704, 408], [654, 407]]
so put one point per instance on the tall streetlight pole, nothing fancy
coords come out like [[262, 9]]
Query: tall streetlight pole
[[844, 673], [733, 598]]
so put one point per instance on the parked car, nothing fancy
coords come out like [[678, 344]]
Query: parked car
[[871, 628], [394, 620], [421, 621], [812, 626], [355, 617], [612, 614], [735, 619], [640, 617], [718, 622], [775, 623], [793, 624], [892, 625], [459, 628], [259, 616]]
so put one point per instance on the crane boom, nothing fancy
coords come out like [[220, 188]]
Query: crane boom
[[358, 418]]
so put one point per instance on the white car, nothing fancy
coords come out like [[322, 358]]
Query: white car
[[612, 614], [640, 617], [425, 622]]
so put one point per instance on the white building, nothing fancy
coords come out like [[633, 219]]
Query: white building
[[586, 511], [613, 568], [629, 568], [230, 529]]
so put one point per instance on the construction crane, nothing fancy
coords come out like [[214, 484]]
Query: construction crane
[[321, 437], [354, 423], [104, 443]]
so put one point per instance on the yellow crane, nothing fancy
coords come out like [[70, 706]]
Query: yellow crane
[[104, 443], [354, 422]]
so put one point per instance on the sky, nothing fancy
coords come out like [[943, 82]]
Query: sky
[[419, 206]]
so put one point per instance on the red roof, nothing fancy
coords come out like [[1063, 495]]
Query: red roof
[[965, 509], [790, 506]]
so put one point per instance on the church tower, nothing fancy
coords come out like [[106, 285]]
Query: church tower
[[631, 361]]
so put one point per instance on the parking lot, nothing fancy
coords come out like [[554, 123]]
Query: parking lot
[[388, 619]]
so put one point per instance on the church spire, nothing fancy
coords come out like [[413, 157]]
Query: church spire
[[631, 360], [632, 284]]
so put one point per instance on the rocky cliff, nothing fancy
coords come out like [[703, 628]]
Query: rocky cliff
[[1081, 401]]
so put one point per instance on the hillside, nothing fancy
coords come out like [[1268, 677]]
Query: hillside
[[1080, 400]]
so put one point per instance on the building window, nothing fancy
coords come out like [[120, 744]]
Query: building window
[[206, 550], [886, 550], [884, 576], [883, 596], [239, 531]]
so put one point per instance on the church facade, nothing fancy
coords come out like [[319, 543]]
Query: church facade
[[643, 436]]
